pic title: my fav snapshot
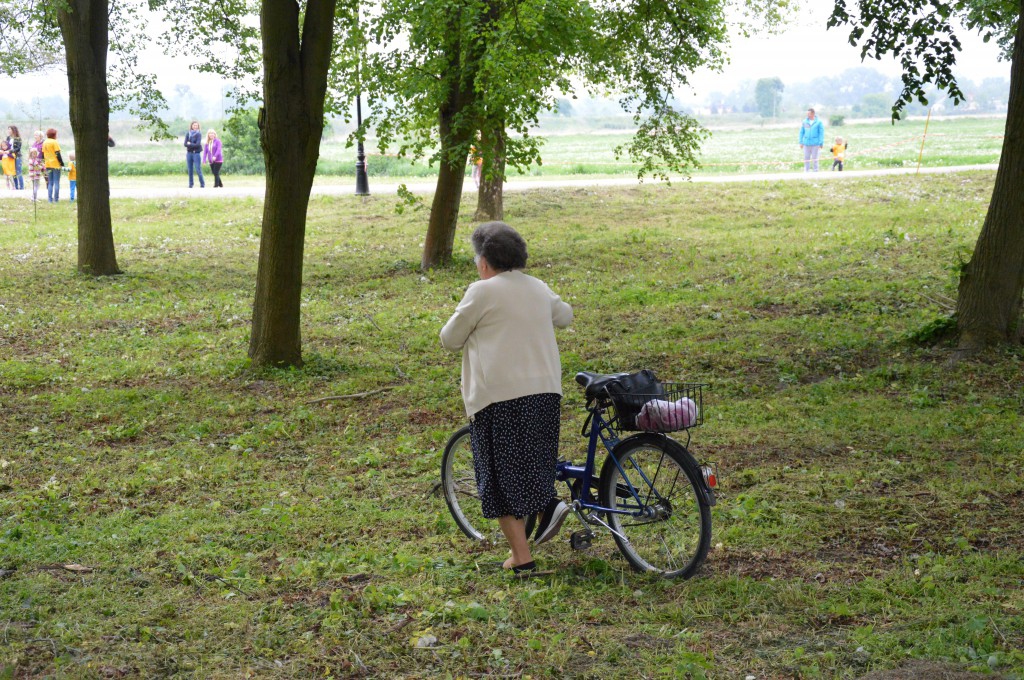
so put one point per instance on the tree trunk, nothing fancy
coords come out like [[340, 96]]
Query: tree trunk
[[490, 203], [444, 210], [455, 133], [291, 124], [989, 302], [83, 26]]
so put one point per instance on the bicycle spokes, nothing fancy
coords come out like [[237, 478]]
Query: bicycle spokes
[[656, 517]]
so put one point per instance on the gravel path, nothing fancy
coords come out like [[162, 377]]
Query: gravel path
[[173, 187]]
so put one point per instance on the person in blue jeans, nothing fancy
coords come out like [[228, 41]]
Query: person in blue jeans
[[54, 164], [812, 138], [194, 153], [72, 174]]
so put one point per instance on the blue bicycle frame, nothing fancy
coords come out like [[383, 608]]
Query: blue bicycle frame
[[600, 430]]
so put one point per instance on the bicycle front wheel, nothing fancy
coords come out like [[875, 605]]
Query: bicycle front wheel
[[662, 523], [458, 481]]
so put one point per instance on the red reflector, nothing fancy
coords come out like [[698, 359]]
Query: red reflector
[[709, 476]]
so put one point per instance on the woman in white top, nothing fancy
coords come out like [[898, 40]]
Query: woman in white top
[[512, 388]]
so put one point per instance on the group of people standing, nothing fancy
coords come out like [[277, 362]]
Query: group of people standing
[[43, 162], [812, 140], [197, 152]]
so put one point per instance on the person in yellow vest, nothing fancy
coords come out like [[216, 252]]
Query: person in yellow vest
[[72, 174], [8, 164], [53, 163], [838, 153]]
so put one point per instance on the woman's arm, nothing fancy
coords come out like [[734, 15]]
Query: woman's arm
[[561, 311], [463, 322]]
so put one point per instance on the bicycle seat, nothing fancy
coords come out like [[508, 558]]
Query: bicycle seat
[[593, 383]]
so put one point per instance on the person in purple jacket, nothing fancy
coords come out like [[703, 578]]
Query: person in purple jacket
[[213, 153]]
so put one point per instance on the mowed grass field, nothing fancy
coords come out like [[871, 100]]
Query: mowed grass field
[[586, 147], [167, 511]]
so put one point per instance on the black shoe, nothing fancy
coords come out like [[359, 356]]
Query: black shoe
[[528, 570], [551, 521]]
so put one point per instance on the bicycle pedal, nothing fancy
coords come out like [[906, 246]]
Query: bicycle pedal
[[581, 540]]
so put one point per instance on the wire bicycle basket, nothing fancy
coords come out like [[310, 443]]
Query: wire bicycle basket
[[661, 407]]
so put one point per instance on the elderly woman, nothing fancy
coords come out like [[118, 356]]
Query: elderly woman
[[512, 388]]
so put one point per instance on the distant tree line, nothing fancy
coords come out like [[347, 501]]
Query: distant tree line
[[859, 92]]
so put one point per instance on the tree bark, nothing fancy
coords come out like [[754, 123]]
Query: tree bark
[[455, 133], [291, 124], [83, 26], [989, 301], [444, 210], [490, 203]]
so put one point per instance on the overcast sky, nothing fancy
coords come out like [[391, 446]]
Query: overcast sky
[[804, 51]]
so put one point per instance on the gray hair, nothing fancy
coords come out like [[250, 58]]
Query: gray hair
[[501, 245]]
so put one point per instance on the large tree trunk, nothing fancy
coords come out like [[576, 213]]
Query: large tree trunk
[[291, 124], [83, 26], [989, 302], [490, 203]]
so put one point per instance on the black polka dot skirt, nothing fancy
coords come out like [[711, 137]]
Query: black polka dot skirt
[[515, 448]]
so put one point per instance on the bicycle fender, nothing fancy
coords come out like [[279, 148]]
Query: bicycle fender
[[709, 498], [709, 493]]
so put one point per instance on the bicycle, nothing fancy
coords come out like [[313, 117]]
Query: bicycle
[[651, 494]]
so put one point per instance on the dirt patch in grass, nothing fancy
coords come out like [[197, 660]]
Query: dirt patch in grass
[[758, 566]]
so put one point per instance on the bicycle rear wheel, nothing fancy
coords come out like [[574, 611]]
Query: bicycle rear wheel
[[458, 482], [668, 526]]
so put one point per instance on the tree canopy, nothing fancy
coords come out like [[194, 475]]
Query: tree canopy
[[922, 35], [445, 71]]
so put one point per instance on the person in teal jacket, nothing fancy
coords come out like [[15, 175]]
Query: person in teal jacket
[[812, 138]]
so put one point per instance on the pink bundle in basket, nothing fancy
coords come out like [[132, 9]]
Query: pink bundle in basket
[[658, 415]]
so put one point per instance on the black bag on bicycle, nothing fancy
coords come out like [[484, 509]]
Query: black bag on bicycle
[[629, 394]]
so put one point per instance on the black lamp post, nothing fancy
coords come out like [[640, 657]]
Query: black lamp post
[[362, 182]]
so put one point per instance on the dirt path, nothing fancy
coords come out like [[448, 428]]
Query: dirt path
[[173, 187]]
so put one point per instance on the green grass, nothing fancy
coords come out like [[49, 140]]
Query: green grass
[[871, 494], [587, 147]]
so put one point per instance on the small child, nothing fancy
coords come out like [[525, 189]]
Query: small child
[[8, 163], [478, 165], [35, 170], [838, 153], [72, 174]]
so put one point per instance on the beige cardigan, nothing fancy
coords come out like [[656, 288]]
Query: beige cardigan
[[505, 327]]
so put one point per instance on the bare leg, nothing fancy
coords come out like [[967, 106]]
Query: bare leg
[[515, 533]]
